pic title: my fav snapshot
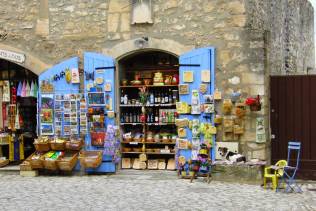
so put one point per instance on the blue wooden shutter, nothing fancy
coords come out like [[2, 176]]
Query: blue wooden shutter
[[95, 61], [196, 61], [60, 86]]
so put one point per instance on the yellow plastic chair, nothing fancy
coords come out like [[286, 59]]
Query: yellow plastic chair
[[273, 173]]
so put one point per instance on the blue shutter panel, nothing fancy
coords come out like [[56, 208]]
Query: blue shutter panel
[[196, 61]]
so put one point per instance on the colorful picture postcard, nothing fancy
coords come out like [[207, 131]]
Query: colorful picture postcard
[[47, 116], [47, 129]]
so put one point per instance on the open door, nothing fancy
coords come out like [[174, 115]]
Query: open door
[[197, 67], [99, 73]]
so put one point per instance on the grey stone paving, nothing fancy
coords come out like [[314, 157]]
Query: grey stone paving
[[142, 191]]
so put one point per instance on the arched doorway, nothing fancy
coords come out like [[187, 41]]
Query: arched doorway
[[156, 134], [18, 99]]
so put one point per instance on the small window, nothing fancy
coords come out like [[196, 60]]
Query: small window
[[141, 11]]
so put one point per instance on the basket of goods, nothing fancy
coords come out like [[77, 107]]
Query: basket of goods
[[149, 137], [240, 110], [74, 144], [3, 162], [157, 138], [57, 144], [254, 103], [35, 160], [50, 158], [227, 106], [98, 138], [67, 161], [90, 159], [137, 149], [138, 137], [127, 137], [42, 144], [165, 138]]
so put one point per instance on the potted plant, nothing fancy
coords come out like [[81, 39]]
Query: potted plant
[[254, 103]]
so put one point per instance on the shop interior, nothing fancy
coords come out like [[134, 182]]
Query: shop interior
[[152, 132], [18, 91]]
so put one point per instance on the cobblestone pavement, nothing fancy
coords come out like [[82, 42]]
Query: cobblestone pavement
[[142, 191]]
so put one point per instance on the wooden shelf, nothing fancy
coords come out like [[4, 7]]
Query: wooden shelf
[[134, 123], [155, 143], [132, 152], [153, 105], [159, 153], [138, 86]]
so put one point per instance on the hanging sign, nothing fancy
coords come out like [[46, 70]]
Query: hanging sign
[[12, 56]]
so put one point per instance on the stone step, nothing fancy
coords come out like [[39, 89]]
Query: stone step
[[10, 170]]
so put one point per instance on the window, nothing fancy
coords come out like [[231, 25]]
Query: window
[[141, 11]]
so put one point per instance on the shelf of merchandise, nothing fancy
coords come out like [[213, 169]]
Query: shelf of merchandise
[[145, 125], [153, 143], [153, 105], [149, 86]]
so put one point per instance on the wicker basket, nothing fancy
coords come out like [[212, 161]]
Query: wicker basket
[[4, 162], [67, 164], [50, 164], [74, 145], [35, 163], [42, 147], [57, 146], [90, 159]]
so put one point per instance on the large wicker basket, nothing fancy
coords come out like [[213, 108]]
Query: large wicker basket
[[67, 164], [42, 147], [74, 145], [4, 162], [50, 164], [90, 159], [35, 163], [57, 146]]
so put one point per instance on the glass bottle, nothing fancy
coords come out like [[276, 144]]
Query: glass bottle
[[157, 116], [166, 98], [152, 98], [162, 98], [130, 117], [122, 97], [158, 98]]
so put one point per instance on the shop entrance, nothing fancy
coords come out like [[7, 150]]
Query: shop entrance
[[148, 122], [18, 98]]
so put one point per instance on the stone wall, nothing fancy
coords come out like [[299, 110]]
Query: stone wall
[[249, 36]]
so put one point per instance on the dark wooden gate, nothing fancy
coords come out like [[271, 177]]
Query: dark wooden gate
[[293, 117]]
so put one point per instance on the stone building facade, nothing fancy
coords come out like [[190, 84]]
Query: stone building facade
[[253, 39]]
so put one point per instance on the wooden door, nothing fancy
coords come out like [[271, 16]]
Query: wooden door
[[293, 117]]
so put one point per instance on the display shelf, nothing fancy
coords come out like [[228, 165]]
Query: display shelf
[[132, 152], [154, 143], [159, 124], [134, 123], [160, 153], [152, 105], [158, 86]]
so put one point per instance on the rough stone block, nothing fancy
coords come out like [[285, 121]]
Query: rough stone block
[[236, 7], [252, 78], [113, 22], [42, 27], [119, 6], [29, 173], [125, 22]]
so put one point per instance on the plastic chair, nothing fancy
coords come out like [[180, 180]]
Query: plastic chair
[[290, 171], [274, 173]]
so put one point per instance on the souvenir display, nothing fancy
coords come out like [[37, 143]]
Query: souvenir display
[[227, 106], [203, 88], [75, 76], [188, 76], [183, 89], [195, 102], [206, 76], [260, 130]]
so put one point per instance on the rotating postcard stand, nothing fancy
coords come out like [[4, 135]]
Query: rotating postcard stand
[[197, 84], [99, 83]]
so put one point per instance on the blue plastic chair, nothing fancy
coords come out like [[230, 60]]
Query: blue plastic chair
[[289, 170]]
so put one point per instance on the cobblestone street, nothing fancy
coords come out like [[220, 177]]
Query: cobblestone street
[[139, 191]]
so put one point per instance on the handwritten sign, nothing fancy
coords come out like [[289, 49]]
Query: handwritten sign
[[12, 56]]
